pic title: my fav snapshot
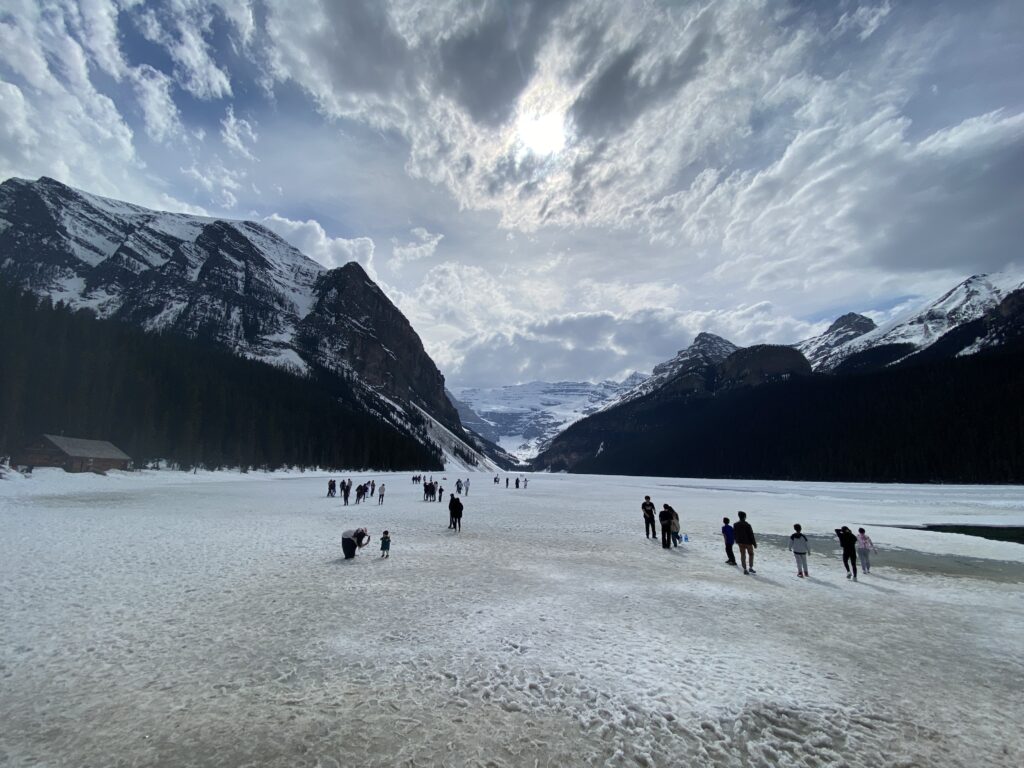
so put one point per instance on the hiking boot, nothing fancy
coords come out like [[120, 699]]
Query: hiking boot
[[752, 570], [745, 571]]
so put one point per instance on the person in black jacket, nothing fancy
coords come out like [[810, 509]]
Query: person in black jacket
[[650, 529], [848, 541], [745, 541], [665, 518], [455, 510]]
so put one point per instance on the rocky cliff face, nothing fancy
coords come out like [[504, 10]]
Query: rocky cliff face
[[233, 283], [760, 364], [354, 327]]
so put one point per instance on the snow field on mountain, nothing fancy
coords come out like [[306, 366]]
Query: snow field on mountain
[[162, 618]]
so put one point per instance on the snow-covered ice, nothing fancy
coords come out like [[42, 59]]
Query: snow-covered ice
[[159, 618]]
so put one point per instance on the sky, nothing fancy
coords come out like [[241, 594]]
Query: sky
[[554, 189]]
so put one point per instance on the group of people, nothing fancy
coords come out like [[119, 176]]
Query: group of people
[[741, 535], [363, 490], [523, 481], [669, 519]]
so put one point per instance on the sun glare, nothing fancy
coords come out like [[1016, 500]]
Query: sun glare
[[541, 134]]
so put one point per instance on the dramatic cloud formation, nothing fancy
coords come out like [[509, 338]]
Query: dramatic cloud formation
[[562, 188]]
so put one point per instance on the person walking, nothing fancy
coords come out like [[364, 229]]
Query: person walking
[[864, 544], [466, 486], [455, 510], [650, 527], [665, 518], [730, 539], [746, 542], [385, 543], [380, 494], [849, 544], [800, 547]]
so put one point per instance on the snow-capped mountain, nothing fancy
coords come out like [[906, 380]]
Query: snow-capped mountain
[[916, 329], [234, 283], [846, 328], [523, 418], [706, 349]]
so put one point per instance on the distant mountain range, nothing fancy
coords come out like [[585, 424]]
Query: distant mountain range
[[234, 284], [523, 418], [688, 417]]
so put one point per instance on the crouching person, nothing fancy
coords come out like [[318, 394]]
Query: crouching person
[[353, 540]]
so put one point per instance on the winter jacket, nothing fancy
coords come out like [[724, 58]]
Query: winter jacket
[[730, 536], [864, 541], [847, 539], [385, 543], [665, 517], [648, 508], [799, 544], [455, 507], [744, 533], [675, 520]]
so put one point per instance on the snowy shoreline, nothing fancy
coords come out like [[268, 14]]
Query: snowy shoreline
[[208, 620]]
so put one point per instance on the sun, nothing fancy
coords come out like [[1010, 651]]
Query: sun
[[541, 135]]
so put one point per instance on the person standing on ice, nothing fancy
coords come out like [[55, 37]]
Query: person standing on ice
[[458, 485], [864, 544], [650, 527], [455, 510], [665, 518], [466, 486], [746, 542], [353, 540], [380, 495], [849, 544], [385, 543], [800, 547], [676, 528], [440, 493], [506, 482], [730, 539]]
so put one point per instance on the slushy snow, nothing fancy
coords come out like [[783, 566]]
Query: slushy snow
[[160, 618]]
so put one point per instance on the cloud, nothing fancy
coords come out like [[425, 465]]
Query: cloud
[[423, 245], [311, 238], [611, 345], [160, 115], [221, 184], [237, 134], [181, 28]]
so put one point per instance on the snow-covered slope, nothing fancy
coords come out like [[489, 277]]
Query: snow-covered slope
[[523, 418], [843, 330], [234, 283], [921, 326], [706, 349]]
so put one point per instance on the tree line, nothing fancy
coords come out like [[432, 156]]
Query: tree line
[[164, 396], [954, 420]]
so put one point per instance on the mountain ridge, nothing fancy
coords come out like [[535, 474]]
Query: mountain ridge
[[233, 283]]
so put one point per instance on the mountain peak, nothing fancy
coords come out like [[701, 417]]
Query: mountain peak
[[852, 321]]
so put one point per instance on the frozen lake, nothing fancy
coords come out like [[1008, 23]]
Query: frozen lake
[[169, 619]]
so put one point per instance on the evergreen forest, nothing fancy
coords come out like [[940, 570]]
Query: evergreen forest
[[168, 397], [956, 420]]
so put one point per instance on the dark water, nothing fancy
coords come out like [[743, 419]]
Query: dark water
[[996, 532]]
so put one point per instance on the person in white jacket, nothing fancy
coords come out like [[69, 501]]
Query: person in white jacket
[[864, 544], [800, 547]]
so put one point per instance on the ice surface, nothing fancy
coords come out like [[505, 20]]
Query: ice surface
[[158, 618]]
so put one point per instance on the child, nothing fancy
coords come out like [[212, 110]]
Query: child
[[385, 545], [864, 543], [800, 547]]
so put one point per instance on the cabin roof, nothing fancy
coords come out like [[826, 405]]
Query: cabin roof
[[87, 449]]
